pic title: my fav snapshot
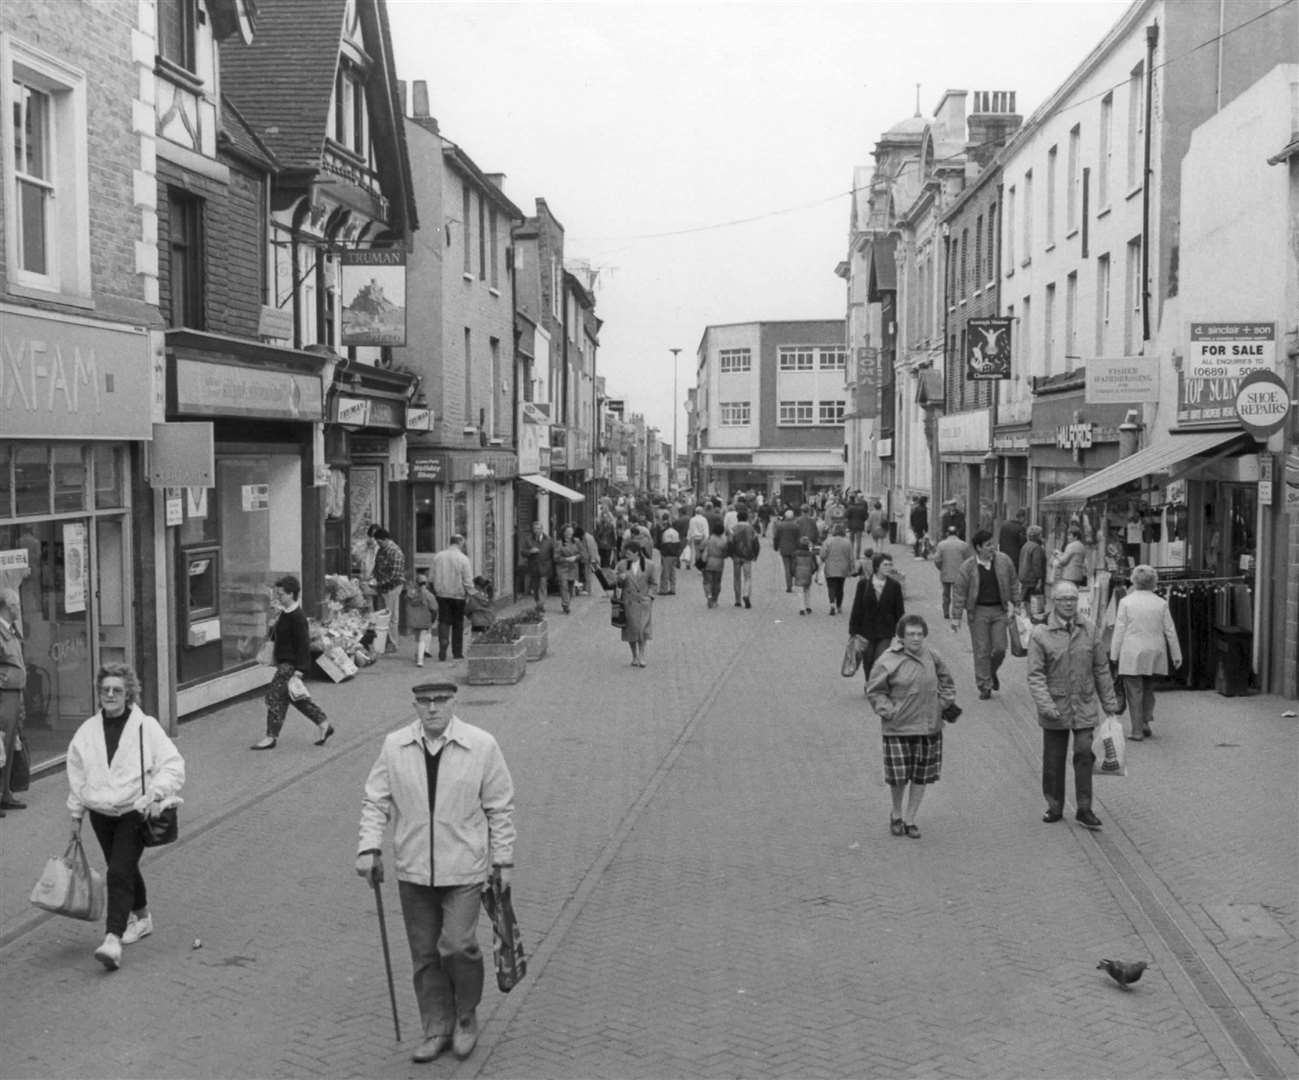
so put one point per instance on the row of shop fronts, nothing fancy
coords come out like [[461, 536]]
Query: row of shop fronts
[[154, 484], [1206, 505]]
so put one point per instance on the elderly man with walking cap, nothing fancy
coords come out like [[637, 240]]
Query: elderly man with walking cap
[[444, 786]]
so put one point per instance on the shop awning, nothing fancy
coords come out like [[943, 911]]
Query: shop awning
[[547, 484], [1153, 459]]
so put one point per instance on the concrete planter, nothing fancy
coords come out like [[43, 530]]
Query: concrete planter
[[536, 637], [496, 663]]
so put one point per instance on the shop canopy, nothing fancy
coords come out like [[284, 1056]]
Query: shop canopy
[[547, 484], [1159, 458]]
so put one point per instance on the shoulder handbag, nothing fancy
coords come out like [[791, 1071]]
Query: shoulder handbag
[[165, 826], [617, 610]]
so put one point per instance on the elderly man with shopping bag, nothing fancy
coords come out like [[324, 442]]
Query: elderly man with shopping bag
[[444, 786]]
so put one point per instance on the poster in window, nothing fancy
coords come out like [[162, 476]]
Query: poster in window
[[74, 566], [987, 350], [374, 297]]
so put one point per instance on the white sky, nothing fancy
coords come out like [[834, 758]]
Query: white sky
[[636, 118]]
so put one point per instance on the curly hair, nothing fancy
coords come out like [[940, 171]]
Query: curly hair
[[128, 676]]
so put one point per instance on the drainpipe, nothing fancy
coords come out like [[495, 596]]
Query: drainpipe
[[1152, 39], [940, 486]]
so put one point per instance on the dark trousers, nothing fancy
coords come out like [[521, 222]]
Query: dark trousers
[[11, 711], [119, 837], [1055, 747], [451, 626], [788, 560], [278, 702], [875, 648], [947, 599], [834, 586], [441, 929]]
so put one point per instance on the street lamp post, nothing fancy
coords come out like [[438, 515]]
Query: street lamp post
[[676, 408]]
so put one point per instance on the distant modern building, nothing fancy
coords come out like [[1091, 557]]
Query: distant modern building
[[769, 407]]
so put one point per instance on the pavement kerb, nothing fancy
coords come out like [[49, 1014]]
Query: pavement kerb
[[505, 1013], [1222, 1006]]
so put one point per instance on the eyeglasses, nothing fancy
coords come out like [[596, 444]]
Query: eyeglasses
[[432, 701], [111, 691]]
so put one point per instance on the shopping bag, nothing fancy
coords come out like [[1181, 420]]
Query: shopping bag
[[852, 655], [266, 653], [1110, 748], [687, 557], [1025, 625], [70, 887], [617, 610], [298, 689], [20, 772], [1018, 644], [507, 948]]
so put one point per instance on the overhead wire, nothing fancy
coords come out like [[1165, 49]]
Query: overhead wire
[[712, 226]]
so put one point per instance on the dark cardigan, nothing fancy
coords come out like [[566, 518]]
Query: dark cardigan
[[875, 617], [293, 639]]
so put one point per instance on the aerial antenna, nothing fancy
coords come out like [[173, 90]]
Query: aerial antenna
[[917, 99]]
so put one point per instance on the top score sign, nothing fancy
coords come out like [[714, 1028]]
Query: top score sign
[[1230, 350]]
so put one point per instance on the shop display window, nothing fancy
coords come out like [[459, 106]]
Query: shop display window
[[31, 479], [109, 475], [69, 471]]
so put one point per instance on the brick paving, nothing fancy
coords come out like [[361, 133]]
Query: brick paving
[[706, 884]]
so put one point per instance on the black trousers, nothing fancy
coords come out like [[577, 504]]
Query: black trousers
[[451, 626], [119, 837]]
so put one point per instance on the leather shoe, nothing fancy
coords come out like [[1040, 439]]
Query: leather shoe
[[1088, 820], [324, 735], [431, 1048], [465, 1037], [12, 804], [1052, 815], [985, 694], [266, 744]]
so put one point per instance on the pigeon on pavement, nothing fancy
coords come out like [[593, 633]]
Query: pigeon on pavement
[[1123, 973]]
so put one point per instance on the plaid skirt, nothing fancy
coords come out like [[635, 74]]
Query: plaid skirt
[[914, 758]]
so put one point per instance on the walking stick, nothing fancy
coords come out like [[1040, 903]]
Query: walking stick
[[387, 957]]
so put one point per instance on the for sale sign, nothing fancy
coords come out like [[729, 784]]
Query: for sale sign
[[1218, 357], [1230, 350]]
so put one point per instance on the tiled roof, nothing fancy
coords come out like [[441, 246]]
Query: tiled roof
[[283, 81], [241, 139]]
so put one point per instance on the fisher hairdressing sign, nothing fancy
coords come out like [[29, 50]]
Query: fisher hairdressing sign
[[1218, 357]]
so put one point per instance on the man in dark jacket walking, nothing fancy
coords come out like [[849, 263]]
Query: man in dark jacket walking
[[953, 518], [744, 549], [1032, 572], [854, 517], [919, 526], [1012, 536], [784, 538]]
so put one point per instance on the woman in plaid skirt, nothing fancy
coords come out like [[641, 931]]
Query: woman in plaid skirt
[[908, 688]]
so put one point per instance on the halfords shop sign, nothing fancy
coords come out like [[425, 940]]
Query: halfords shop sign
[[1218, 357]]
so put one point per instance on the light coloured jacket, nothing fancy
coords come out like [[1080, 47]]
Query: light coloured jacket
[[1144, 635], [472, 827], [949, 555], [1067, 671], [965, 589], [836, 557], [1072, 562], [452, 573], [94, 784], [697, 532], [908, 692]]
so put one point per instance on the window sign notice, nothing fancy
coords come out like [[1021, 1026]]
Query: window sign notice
[[1230, 350], [256, 497]]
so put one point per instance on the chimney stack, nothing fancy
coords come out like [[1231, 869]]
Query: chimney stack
[[420, 99], [992, 122]]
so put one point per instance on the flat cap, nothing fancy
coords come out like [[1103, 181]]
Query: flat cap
[[434, 689]]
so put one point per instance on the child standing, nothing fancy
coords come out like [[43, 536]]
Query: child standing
[[420, 606], [478, 606], [805, 568]]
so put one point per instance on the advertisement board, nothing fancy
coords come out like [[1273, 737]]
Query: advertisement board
[[374, 297], [1218, 357]]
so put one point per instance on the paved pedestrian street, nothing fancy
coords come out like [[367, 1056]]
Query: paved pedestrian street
[[706, 882]]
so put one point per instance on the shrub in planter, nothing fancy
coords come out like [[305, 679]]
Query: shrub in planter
[[496, 656], [533, 628]]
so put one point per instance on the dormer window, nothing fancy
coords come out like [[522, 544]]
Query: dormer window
[[351, 122]]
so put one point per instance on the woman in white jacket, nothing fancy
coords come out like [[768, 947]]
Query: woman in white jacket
[[1144, 639], [104, 778]]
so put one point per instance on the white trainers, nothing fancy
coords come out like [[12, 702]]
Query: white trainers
[[110, 952], [137, 928]]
